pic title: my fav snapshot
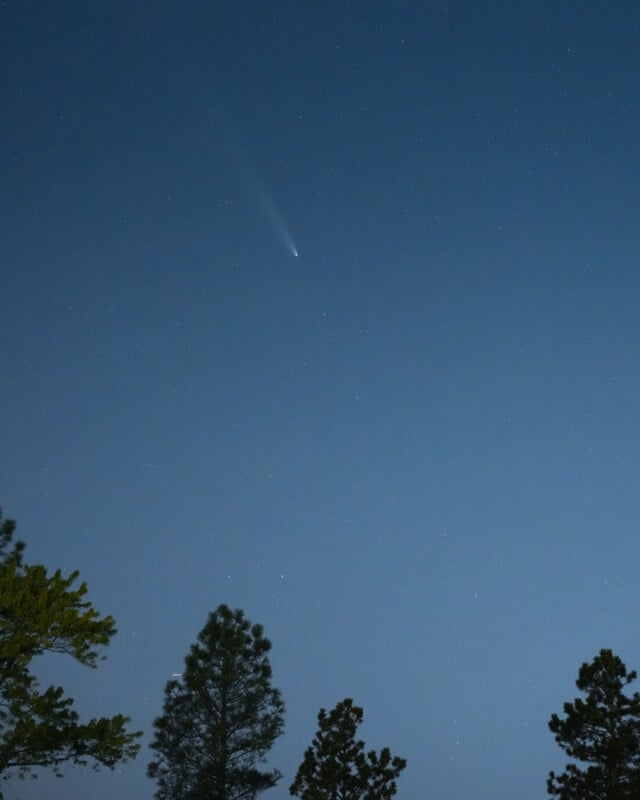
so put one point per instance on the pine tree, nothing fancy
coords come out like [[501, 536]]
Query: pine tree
[[220, 717], [335, 766], [39, 613], [602, 731]]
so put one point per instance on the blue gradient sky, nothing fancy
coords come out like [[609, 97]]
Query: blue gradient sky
[[411, 452]]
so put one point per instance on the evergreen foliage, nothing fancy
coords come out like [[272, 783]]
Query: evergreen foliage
[[335, 766], [44, 613], [602, 731], [220, 717]]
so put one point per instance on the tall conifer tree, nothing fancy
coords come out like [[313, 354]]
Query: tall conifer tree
[[221, 716], [41, 612], [603, 732]]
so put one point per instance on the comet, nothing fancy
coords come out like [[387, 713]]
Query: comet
[[272, 213], [221, 127]]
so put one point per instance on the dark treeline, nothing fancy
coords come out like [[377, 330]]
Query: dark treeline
[[222, 715]]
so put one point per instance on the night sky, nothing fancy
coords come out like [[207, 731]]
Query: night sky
[[410, 451]]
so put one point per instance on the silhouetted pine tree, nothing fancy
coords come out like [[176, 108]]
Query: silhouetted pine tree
[[603, 732], [220, 718]]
